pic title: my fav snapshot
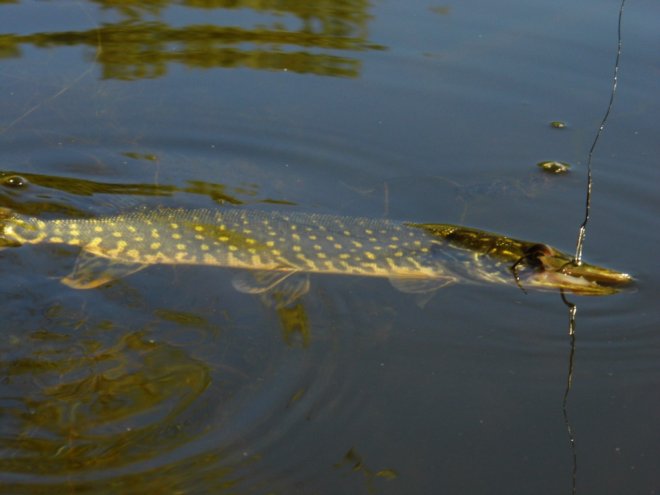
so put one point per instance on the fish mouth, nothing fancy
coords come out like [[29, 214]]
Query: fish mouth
[[559, 271]]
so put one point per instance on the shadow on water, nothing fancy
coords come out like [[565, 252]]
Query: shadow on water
[[142, 45]]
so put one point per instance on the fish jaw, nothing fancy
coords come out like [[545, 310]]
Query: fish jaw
[[558, 271]]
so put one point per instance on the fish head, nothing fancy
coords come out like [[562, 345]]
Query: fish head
[[502, 259], [548, 268]]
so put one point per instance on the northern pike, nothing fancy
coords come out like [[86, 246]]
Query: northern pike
[[276, 250]]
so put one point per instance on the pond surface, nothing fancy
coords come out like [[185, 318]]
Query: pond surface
[[170, 381]]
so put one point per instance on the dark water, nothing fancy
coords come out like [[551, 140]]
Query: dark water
[[171, 382]]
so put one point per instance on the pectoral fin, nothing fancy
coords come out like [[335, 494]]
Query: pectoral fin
[[276, 288], [92, 271], [423, 288], [421, 285], [259, 281]]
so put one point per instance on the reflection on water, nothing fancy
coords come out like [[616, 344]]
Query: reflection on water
[[355, 463], [142, 45], [90, 404], [35, 194], [75, 405], [295, 324]]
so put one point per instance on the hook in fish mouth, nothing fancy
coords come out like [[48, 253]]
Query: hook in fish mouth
[[530, 258], [553, 269]]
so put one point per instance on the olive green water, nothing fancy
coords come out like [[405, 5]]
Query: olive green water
[[171, 381]]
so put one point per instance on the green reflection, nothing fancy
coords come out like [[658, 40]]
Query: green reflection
[[295, 324], [138, 48], [33, 194], [141, 156], [355, 463], [88, 406], [184, 318]]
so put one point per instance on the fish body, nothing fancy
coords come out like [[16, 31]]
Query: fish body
[[272, 246]]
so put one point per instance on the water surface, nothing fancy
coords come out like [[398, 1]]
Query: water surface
[[169, 381]]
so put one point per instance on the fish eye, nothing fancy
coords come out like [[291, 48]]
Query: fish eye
[[15, 182], [538, 250], [533, 253]]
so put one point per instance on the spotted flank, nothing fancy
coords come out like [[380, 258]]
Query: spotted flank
[[277, 250]]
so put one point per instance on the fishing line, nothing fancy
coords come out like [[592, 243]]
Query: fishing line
[[577, 260], [572, 311], [66, 87]]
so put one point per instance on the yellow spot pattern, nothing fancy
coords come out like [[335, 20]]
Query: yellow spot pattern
[[121, 245], [182, 256], [209, 259]]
